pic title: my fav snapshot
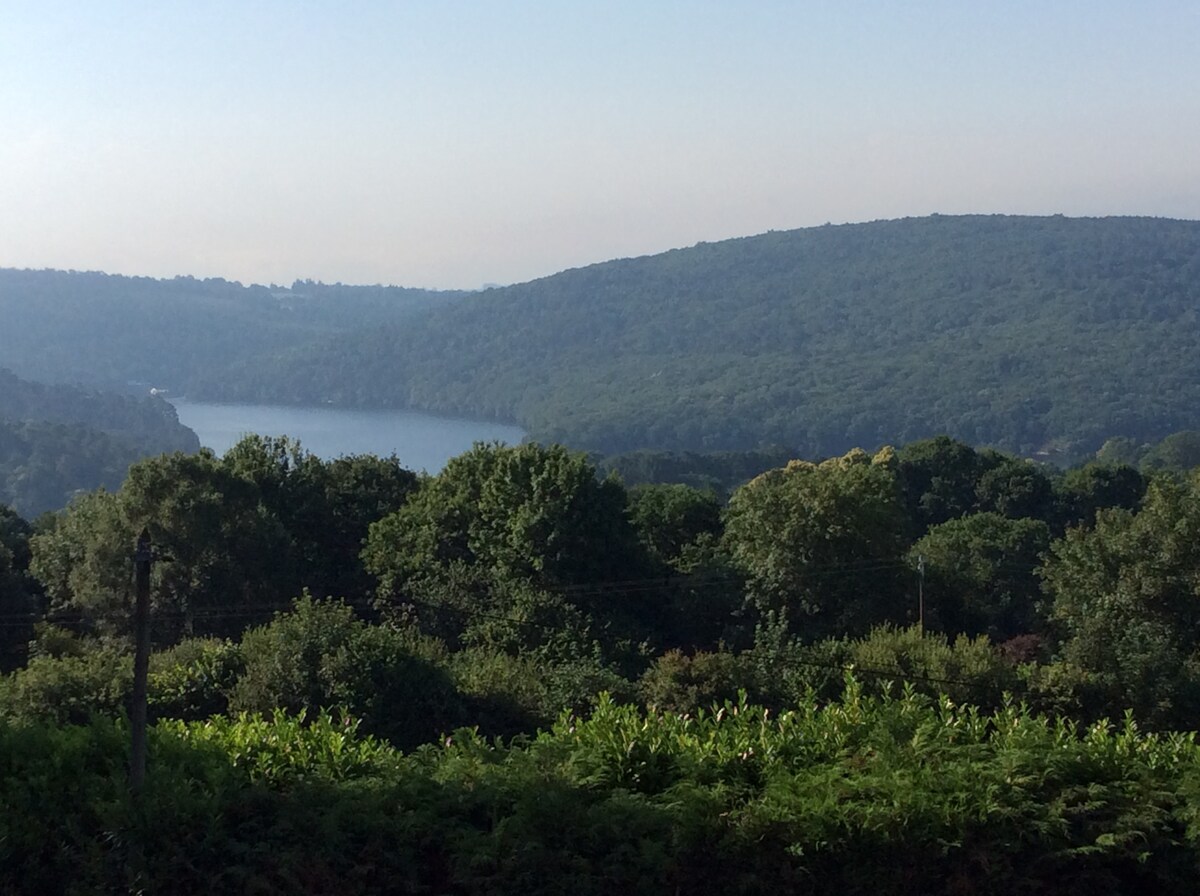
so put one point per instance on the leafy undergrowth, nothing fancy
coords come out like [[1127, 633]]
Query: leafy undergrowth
[[897, 794]]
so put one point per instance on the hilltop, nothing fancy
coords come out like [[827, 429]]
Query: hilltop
[[1038, 335], [1032, 334]]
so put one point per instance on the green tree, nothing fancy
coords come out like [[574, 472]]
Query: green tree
[[240, 535], [671, 519], [1121, 450], [319, 656], [1083, 491], [226, 557], [822, 543], [980, 574], [20, 594], [938, 478], [1177, 453], [325, 507], [1126, 596], [1014, 488], [501, 522]]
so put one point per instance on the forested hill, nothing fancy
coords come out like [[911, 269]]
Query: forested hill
[[56, 440], [1028, 333], [148, 421], [111, 331]]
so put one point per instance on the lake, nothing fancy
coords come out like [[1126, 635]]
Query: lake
[[420, 441]]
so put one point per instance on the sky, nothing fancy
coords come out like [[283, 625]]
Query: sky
[[454, 144]]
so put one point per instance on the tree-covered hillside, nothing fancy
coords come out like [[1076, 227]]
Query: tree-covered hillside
[[108, 331], [57, 440], [1025, 333]]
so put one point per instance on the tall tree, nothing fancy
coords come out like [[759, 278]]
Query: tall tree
[[501, 521], [1126, 595], [326, 507], [980, 574], [227, 558], [1083, 491], [822, 543]]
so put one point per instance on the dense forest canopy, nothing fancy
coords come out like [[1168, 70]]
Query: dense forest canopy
[[112, 331], [57, 441], [1029, 334], [1033, 335], [927, 668]]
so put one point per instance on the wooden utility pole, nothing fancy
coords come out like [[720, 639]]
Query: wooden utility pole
[[142, 559], [921, 593]]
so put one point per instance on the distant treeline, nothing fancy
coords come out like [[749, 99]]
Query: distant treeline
[[57, 441], [1040, 336], [723, 471], [1035, 335], [110, 331]]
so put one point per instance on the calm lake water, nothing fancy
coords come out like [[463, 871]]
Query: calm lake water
[[420, 441]]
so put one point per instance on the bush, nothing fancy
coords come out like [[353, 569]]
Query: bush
[[69, 689], [320, 657], [193, 680], [864, 794], [969, 670], [680, 683]]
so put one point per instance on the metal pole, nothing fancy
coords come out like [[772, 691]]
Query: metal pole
[[141, 662]]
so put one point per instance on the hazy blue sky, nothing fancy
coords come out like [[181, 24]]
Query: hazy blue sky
[[451, 143]]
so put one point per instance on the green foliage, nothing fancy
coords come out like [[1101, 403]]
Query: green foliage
[[865, 794], [57, 641], [677, 683], [786, 674], [193, 679], [939, 478], [241, 535], [1177, 453], [1026, 333], [56, 441], [510, 535], [821, 544], [1014, 488], [670, 519], [943, 479], [86, 679], [74, 326], [1095, 486], [980, 574], [506, 695], [1126, 596], [968, 670], [320, 657], [280, 749], [713, 471], [69, 689], [1121, 451], [20, 593], [229, 557], [325, 507]]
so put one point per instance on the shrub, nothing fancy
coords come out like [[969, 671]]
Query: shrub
[[194, 678], [69, 689], [320, 657], [680, 683]]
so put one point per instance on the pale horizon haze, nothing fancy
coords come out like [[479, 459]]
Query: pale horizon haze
[[454, 144]]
